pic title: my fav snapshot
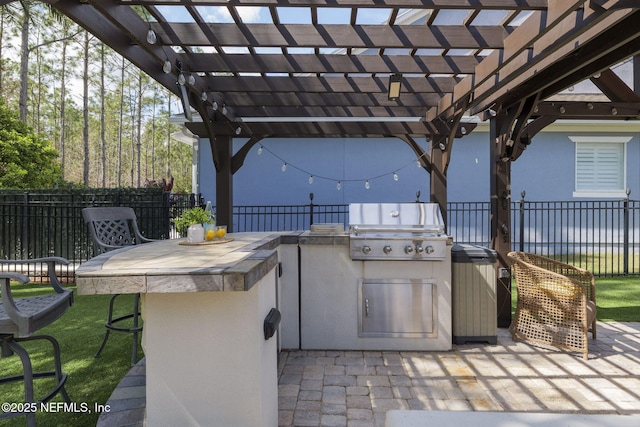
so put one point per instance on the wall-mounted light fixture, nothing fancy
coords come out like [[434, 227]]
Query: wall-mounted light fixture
[[395, 84]]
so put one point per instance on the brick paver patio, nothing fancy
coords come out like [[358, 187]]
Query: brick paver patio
[[357, 388]]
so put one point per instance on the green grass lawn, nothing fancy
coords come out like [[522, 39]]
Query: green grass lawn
[[617, 298], [90, 381]]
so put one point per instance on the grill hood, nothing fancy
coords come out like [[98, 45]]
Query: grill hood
[[395, 217]]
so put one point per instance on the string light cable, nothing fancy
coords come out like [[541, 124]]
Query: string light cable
[[339, 182]]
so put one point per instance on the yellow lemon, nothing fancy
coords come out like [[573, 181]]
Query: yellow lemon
[[221, 233], [210, 234]]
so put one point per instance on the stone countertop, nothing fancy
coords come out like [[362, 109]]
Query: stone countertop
[[168, 267], [310, 238]]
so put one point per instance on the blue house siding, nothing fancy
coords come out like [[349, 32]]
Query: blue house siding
[[546, 170], [260, 181]]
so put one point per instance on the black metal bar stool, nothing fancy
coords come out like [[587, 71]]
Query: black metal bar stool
[[20, 318], [112, 228]]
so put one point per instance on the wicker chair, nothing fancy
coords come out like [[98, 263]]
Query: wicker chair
[[20, 318], [556, 303], [112, 228]]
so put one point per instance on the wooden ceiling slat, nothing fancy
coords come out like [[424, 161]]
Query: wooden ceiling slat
[[337, 36], [329, 84], [366, 64], [332, 99], [325, 112]]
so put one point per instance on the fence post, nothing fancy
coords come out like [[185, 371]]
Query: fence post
[[25, 227], [522, 194], [310, 210], [626, 234]]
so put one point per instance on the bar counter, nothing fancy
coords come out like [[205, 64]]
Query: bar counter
[[208, 362]]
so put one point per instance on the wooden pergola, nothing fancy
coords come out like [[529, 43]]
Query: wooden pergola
[[324, 68]]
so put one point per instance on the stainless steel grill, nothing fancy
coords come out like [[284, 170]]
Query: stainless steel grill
[[396, 231]]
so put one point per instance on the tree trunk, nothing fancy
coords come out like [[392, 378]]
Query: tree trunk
[[153, 136], [169, 136], [103, 141], [85, 113], [2, 14], [63, 95], [139, 128], [119, 169], [24, 60]]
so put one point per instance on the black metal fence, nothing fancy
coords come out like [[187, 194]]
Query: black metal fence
[[35, 224], [602, 236]]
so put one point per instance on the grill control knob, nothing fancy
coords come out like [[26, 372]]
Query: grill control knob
[[366, 250], [386, 249], [419, 249], [408, 249], [429, 250]]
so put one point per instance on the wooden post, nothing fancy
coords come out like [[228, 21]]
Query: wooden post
[[500, 175], [438, 176], [222, 146]]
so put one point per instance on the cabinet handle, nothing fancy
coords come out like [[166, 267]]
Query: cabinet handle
[[366, 307]]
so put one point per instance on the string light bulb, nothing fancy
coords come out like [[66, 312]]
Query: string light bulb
[[395, 177], [259, 150], [166, 67], [224, 109], [310, 179], [418, 163], [204, 96], [181, 79], [215, 105], [367, 185], [191, 80], [339, 186], [284, 167], [151, 37]]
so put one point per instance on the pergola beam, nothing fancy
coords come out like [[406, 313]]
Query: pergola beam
[[542, 40]]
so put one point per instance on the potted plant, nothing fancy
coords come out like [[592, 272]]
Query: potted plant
[[191, 222]]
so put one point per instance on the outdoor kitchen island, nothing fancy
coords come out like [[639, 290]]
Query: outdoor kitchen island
[[386, 285], [208, 361]]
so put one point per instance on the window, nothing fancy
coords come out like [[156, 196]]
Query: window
[[600, 166]]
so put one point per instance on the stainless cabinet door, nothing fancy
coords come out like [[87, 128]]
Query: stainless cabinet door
[[397, 308]]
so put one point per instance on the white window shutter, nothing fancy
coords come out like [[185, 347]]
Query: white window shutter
[[599, 166]]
